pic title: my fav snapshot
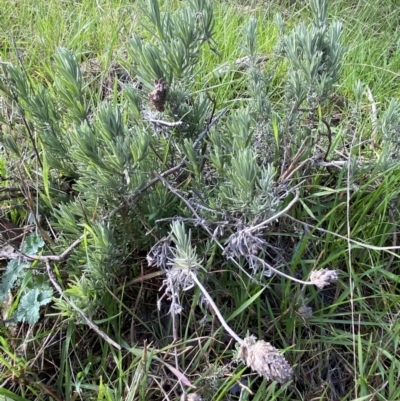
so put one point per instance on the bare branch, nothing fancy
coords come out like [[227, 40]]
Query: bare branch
[[166, 123]]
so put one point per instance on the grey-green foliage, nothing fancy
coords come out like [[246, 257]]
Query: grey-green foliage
[[314, 54], [97, 152], [172, 52], [390, 122], [107, 151], [184, 255], [36, 294], [257, 79], [180, 35], [40, 112], [110, 150], [265, 132], [390, 126], [68, 84], [244, 185]]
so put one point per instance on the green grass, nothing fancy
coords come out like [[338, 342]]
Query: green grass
[[347, 350]]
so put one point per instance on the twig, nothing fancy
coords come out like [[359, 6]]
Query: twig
[[276, 271], [138, 193], [166, 123], [329, 136], [290, 170], [274, 217], [51, 258], [62, 256], [10, 189], [204, 133], [241, 64], [73, 306], [216, 310], [337, 163], [176, 192]]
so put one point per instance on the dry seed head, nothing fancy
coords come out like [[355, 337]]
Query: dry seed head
[[265, 359], [323, 277], [159, 95]]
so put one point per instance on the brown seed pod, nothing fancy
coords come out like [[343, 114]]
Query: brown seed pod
[[159, 95]]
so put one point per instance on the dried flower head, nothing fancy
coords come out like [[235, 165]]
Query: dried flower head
[[265, 359], [244, 243], [159, 95], [323, 277], [160, 253], [191, 397], [177, 280]]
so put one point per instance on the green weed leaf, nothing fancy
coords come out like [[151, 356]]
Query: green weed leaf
[[32, 244], [9, 278], [28, 308]]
